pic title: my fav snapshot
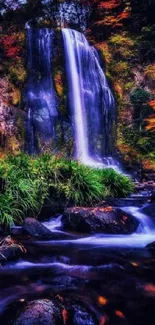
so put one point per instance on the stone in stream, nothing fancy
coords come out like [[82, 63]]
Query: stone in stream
[[1, 230], [151, 247], [149, 210], [106, 220], [79, 315], [10, 250], [40, 312], [35, 228]]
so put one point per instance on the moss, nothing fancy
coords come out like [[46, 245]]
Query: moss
[[150, 71]]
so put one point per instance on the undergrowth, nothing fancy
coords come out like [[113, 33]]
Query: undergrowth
[[26, 181]]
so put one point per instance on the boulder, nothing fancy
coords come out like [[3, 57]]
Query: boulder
[[35, 228], [16, 231], [152, 197], [10, 251], [151, 247], [1, 231], [79, 315], [149, 210], [40, 312], [106, 220]]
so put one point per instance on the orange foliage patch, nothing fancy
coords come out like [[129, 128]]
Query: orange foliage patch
[[112, 4], [152, 103], [118, 89], [147, 164], [151, 123], [114, 21]]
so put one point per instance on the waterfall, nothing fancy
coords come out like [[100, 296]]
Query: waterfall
[[41, 97], [90, 100]]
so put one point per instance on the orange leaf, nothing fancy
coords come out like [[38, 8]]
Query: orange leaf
[[102, 300], [150, 288], [65, 315], [103, 320], [119, 313], [134, 264], [152, 103]]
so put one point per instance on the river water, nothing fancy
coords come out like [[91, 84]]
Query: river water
[[112, 276]]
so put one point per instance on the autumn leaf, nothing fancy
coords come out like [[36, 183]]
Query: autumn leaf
[[103, 320], [119, 314], [65, 315], [102, 300], [152, 103], [150, 289], [110, 4], [151, 123]]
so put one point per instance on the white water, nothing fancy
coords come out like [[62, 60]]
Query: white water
[[54, 223], [91, 101], [144, 235], [71, 47]]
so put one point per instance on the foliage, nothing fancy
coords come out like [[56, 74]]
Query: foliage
[[118, 185], [25, 182], [150, 71]]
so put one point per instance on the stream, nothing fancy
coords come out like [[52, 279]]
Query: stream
[[111, 277]]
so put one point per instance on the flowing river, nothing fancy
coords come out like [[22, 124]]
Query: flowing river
[[109, 277]]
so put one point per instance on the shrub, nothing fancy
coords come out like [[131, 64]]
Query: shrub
[[26, 181], [119, 185]]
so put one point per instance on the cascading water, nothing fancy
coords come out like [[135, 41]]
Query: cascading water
[[41, 96], [90, 99]]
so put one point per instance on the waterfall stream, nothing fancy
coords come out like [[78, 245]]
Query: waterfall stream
[[143, 236], [90, 99], [41, 96]]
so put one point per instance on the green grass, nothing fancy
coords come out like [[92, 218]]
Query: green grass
[[26, 181]]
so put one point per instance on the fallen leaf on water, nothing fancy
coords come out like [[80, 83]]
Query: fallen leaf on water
[[119, 313], [150, 288], [103, 320], [134, 264], [102, 300], [65, 315]]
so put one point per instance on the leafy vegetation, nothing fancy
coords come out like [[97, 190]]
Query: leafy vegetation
[[25, 182]]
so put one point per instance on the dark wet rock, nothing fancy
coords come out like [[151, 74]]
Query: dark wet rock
[[40, 312], [35, 228], [10, 251], [152, 197], [151, 247], [51, 207], [149, 210], [16, 231], [81, 316], [95, 220], [1, 230]]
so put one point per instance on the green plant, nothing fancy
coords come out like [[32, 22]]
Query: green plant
[[26, 181], [119, 185]]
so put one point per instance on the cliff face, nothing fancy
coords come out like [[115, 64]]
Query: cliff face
[[123, 32]]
